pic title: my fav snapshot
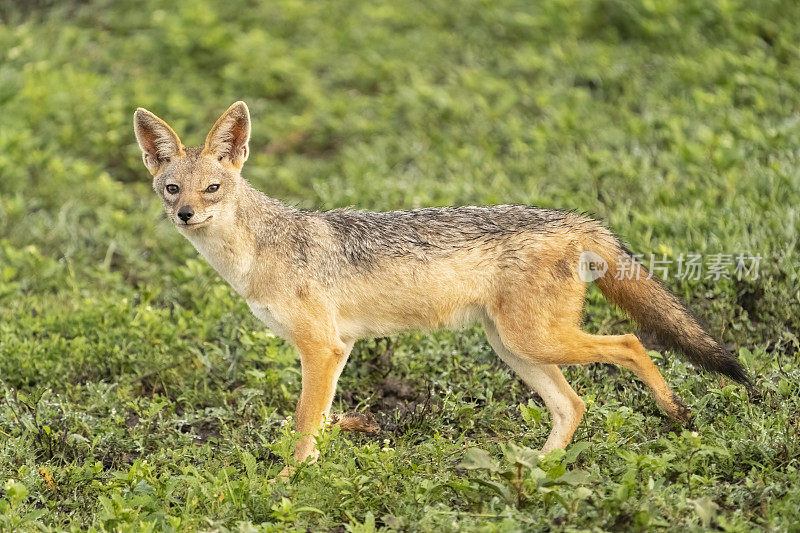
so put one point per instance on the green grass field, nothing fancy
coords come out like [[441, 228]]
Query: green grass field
[[138, 393]]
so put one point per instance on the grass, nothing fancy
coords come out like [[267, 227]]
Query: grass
[[138, 391]]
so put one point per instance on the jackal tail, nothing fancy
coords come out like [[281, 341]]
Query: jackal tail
[[660, 313]]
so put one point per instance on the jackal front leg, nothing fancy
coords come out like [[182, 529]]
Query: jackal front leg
[[322, 362]]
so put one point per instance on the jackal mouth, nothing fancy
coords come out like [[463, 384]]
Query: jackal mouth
[[194, 224]]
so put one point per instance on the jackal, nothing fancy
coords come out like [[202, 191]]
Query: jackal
[[322, 280]]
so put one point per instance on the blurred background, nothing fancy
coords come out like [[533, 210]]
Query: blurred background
[[677, 122]]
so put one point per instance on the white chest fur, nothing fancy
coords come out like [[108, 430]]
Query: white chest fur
[[270, 319], [231, 260]]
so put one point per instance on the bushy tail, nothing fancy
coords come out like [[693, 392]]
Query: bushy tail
[[659, 312]]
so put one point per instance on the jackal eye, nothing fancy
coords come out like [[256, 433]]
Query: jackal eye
[[214, 187], [172, 189]]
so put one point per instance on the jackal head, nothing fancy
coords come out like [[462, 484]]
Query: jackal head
[[198, 185]]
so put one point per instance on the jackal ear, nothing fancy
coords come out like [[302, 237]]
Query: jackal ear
[[156, 139], [228, 139]]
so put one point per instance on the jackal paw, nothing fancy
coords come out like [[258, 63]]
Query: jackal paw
[[284, 477], [679, 411]]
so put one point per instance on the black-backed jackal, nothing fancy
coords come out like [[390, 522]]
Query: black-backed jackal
[[322, 280]]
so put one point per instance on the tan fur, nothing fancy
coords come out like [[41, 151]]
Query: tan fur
[[522, 287], [360, 422]]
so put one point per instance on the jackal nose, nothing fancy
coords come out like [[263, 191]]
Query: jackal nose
[[185, 213]]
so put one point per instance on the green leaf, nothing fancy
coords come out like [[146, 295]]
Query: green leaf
[[706, 509], [556, 471], [574, 451], [574, 477], [249, 464], [477, 459], [17, 492], [531, 413], [500, 488]]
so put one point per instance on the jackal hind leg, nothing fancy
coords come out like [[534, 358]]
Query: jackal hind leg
[[565, 406], [570, 345]]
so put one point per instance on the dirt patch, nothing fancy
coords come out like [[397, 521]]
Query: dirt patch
[[394, 391], [202, 432], [396, 405]]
